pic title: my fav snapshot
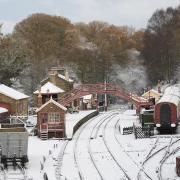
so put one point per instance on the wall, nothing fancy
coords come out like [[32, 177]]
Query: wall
[[83, 120]]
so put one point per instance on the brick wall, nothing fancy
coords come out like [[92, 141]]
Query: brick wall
[[48, 109]]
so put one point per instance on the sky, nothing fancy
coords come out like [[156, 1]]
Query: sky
[[133, 13]]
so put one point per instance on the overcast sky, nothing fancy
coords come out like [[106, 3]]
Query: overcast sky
[[119, 12]]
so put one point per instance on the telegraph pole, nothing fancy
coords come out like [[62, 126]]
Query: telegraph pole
[[105, 95]]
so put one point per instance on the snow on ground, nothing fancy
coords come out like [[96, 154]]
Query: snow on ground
[[72, 119], [129, 152], [49, 149], [37, 149]]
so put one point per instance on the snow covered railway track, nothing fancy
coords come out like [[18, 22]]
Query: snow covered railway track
[[93, 135], [76, 151], [158, 153], [124, 152], [171, 149], [111, 152], [17, 174], [86, 134], [70, 156], [96, 128]]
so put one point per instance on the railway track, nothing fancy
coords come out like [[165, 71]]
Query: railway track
[[99, 128], [171, 150], [89, 127], [75, 151], [111, 152], [123, 150], [14, 174], [97, 146], [72, 148], [95, 131], [160, 153]]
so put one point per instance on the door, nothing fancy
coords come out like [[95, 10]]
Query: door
[[165, 115]]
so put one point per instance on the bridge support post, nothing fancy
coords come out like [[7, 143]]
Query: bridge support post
[[105, 102]]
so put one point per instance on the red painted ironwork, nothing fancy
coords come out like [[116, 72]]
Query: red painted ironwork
[[102, 88]]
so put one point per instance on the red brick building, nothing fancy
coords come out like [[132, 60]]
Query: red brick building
[[48, 90], [51, 120], [16, 102], [60, 78]]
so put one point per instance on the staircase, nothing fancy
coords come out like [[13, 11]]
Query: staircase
[[44, 135]]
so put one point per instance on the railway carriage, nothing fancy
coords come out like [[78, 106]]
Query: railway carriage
[[167, 110]]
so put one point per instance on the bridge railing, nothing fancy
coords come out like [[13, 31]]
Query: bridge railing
[[101, 88]]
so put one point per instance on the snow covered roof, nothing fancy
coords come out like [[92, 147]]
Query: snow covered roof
[[12, 93], [60, 76], [49, 88], [63, 77], [172, 90], [87, 97], [151, 91], [3, 110], [54, 102], [171, 95]]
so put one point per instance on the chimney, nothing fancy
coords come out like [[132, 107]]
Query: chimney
[[52, 76], [66, 75], [39, 100]]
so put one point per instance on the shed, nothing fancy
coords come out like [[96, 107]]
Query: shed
[[16, 102], [48, 90], [152, 94], [51, 120]]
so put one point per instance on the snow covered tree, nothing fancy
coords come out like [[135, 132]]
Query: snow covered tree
[[11, 62]]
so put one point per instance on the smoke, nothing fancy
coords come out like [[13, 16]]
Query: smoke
[[133, 76]]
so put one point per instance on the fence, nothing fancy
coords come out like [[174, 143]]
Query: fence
[[127, 130], [143, 132]]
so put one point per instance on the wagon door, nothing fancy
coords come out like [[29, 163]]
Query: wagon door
[[165, 114]]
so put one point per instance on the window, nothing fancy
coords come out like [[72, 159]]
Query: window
[[54, 117], [44, 117]]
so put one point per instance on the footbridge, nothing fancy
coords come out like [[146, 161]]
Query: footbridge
[[101, 88]]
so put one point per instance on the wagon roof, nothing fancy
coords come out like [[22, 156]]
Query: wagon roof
[[12, 93], [170, 99]]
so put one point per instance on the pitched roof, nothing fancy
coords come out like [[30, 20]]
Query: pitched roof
[[151, 91], [12, 93], [49, 88], [54, 102], [63, 77]]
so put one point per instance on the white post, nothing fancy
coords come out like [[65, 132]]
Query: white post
[[105, 97]]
